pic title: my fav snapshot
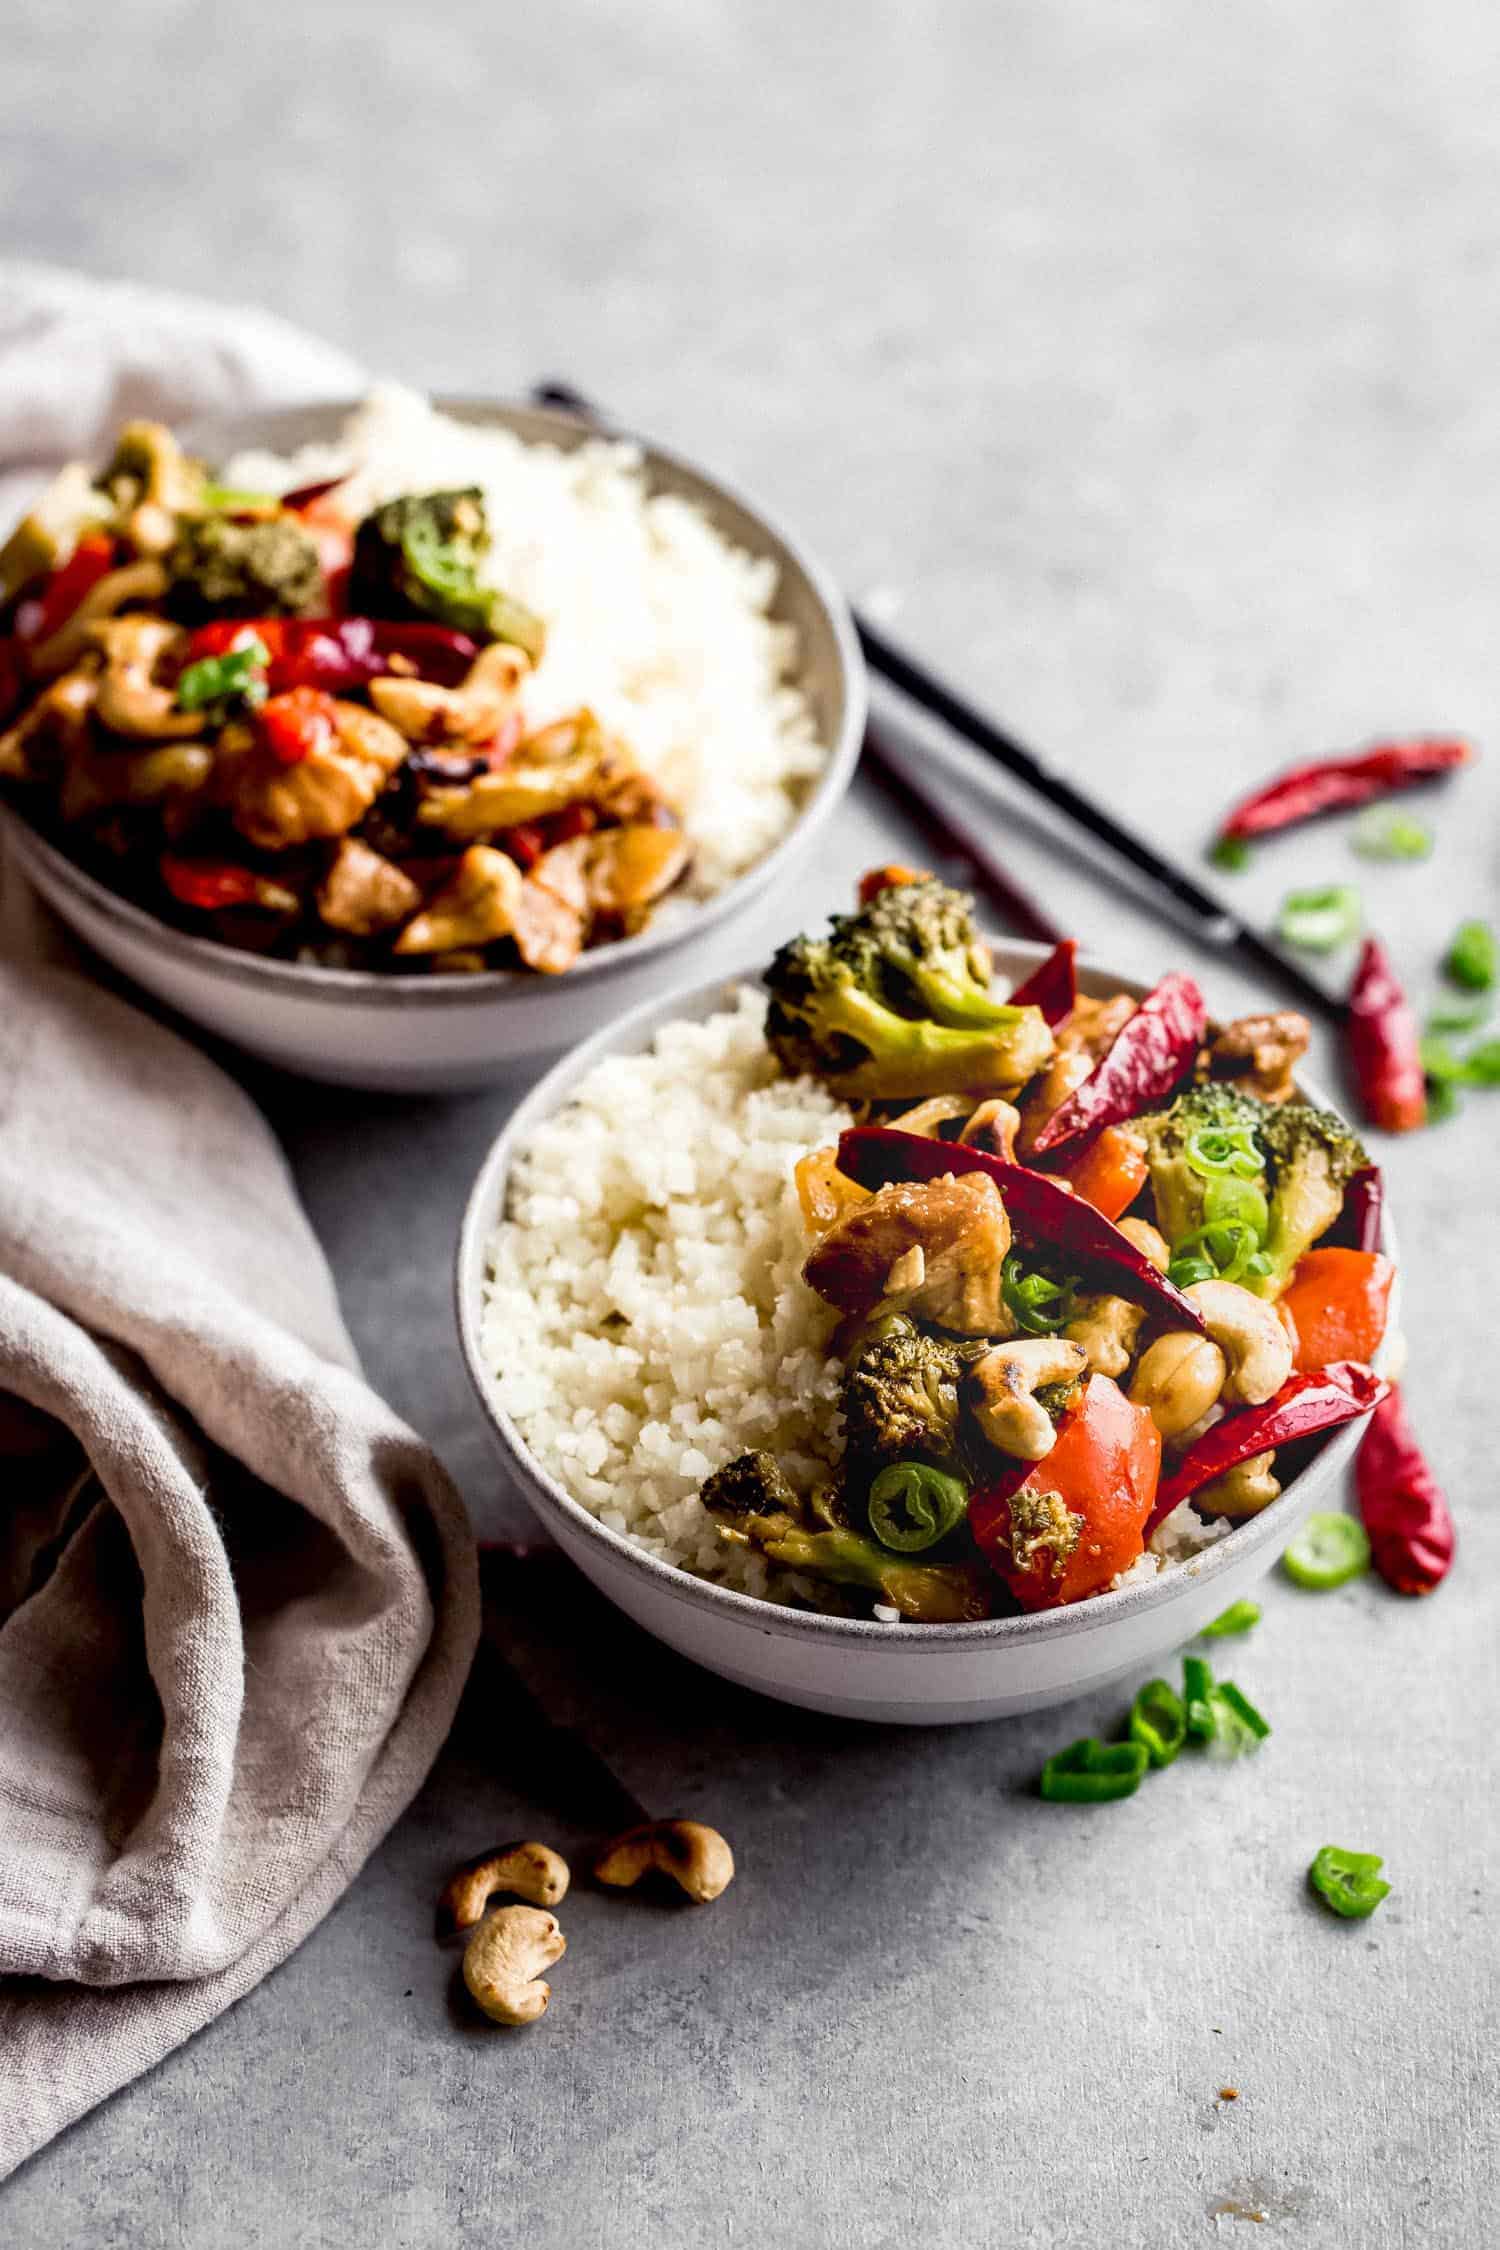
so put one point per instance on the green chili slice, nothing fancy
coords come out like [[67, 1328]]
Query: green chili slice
[[1158, 1722], [1197, 1693], [1040, 1305], [1232, 853], [1349, 1882], [1320, 921], [1327, 1552], [1471, 958], [239, 676], [1090, 1772], [1382, 834], [913, 1506], [1238, 1618]]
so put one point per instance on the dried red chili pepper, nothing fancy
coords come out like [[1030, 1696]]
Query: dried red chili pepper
[[1144, 1062], [12, 680], [1411, 1529], [1358, 1224], [1052, 985], [1304, 1405], [210, 883], [41, 614], [295, 725], [525, 843], [1040, 1209], [339, 653], [1384, 1045], [1332, 784]]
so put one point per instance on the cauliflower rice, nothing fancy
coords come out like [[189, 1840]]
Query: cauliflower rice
[[645, 1312], [654, 621]]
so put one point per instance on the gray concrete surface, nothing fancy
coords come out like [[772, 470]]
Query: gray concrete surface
[[1144, 361]]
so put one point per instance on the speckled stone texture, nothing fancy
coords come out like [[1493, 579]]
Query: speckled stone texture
[[1142, 362]]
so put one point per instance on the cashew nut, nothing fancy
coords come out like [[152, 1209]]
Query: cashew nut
[[504, 1960], [1148, 1240], [1108, 1328], [130, 700], [1063, 1076], [134, 582], [475, 906], [471, 712], [1179, 1377], [1242, 1491], [696, 1858], [1006, 1379], [534, 1872], [993, 1126], [1252, 1339]]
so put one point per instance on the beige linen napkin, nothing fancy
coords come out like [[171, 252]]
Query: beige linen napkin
[[238, 1597]]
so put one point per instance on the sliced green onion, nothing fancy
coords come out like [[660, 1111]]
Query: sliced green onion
[[1238, 1199], [1233, 1149], [1445, 1022], [1238, 1618], [1184, 1271], [1382, 834], [1349, 1882], [912, 1506], [1442, 1101], [1482, 1064], [1327, 1552], [231, 500], [1320, 921], [1041, 1306], [1240, 1724], [239, 676], [1439, 1059], [1232, 853], [1471, 958], [1197, 1691], [1158, 1722], [1090, 1772]]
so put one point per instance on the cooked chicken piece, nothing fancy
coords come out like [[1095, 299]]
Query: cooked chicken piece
[[1262, 1053], [474, 711], [552, 915], [57, 722], [323, 794], [933, 1248], [167, 772], [474, 907], [364, 893], [573, 759], [631, 867], [1094, 1025]]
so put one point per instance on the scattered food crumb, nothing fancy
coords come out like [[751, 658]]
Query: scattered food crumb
[[1229, 2093]]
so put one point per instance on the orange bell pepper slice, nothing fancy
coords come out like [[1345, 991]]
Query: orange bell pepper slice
[[1104, 1469], [1110, 1172], [1335, 1306]]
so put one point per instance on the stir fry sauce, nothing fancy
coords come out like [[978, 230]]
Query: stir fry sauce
[[1094, 1260], [305, 735]]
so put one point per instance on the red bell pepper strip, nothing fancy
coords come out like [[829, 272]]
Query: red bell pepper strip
[[1143, 1064], [1383, 1042], [210, 883], [43, 613], [339, 653], [1304, 1405], [1052, 985], [1335, 1305], [1109, 1171], [1104, 1467], [1332, 784], [1411, 1529], [294, 725], [333, 535], [1041, 1209]]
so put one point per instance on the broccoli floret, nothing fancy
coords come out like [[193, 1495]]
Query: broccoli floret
[[900, 1396], [421, 555], [757, 1506], [1314, 1155], [219, 568], [1178, 1190], [889, 1004]]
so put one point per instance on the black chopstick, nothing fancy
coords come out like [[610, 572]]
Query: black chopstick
[[1170, 889], [977, 862]]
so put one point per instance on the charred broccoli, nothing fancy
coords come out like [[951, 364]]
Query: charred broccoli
[[1314, 1155], [421, 555], [220, 568], [757, 1506], [900, 1396], [892, 1003]]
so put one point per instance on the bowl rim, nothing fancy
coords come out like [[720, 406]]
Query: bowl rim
[[549, 1496], [314, 981]]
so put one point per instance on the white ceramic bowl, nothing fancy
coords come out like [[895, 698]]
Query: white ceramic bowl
[[423, 1034], [919, 1674]]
